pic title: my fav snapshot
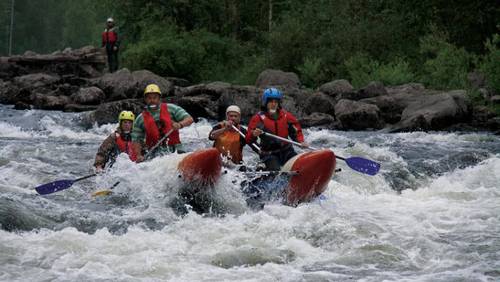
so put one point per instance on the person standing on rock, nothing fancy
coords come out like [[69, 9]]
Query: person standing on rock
[[156, 121], [275, 120], [118, 142], [111, 43]]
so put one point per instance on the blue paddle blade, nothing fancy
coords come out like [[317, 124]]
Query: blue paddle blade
[[55, 186], [363, 165]]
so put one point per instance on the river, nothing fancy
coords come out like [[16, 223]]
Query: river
[[432, 213]]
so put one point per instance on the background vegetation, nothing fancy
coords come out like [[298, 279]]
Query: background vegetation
[[436, 42]]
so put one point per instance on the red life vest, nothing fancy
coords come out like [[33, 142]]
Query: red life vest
[[277, 127], [153, 134], [109, 36], [125, 147]]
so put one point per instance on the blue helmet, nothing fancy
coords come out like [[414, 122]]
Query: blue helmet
[[271, 93]]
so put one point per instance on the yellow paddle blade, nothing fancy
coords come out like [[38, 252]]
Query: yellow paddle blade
[[102, 193]]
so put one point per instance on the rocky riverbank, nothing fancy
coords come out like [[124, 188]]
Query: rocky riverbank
[[73, 80]]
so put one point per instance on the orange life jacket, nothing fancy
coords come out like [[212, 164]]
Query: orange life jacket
[[229, 145], [153, 133], [125, 147]]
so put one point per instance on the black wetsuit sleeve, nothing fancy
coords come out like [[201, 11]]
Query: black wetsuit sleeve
[[216, 127]]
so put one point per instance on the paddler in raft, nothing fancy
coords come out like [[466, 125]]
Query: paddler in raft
[[226, 139], [274, 119], [156, 120], [118, 142]]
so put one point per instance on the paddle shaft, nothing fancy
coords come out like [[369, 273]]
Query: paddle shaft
[[296, 143], [243, 135], [158, 144], [85, 177]]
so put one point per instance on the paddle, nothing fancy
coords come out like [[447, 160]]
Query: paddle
[[150, 152], [357, 163], [59, 185], [243, 135], [105, 192]]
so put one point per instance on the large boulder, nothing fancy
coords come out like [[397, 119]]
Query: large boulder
[[390, 107], [320, 103], [373, 89], [435, 112], [88, 96], [317, 119], [108, 112], [145, 77], [118, 85], [36, 80], [357, 115], [277, 78], [338, 89], [10, 93], [246, 97], [50, 102]]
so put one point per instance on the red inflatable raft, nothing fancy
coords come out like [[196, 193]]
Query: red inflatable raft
[[314, 171], [201, 167]]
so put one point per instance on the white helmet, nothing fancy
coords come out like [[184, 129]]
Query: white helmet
[[110, 20], [233, 108]]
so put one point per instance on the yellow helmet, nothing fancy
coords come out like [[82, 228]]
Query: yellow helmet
[[152, 88], [126, 115]]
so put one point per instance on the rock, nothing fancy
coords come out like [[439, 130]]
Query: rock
[[36, 80], [373, 89], [213, 89], [246, 97], [178, 81], [88, 96], [409, 89], [320, 103], [79, 108], [118, 85], [357, 115], [199, 106], [390, 108], [493, 124], [338, 89], [123, 84], [145, 77], [317, 119], [22, 106], [277, 78], [108, 112], [49, 102], [9, 93], [435, 112]]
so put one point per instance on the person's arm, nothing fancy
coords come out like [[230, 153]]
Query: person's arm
[[216, 131], [187, 121], [179, 116], [103, 38], [243, 141], [104, 152], [253, 131], [295, 130]]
